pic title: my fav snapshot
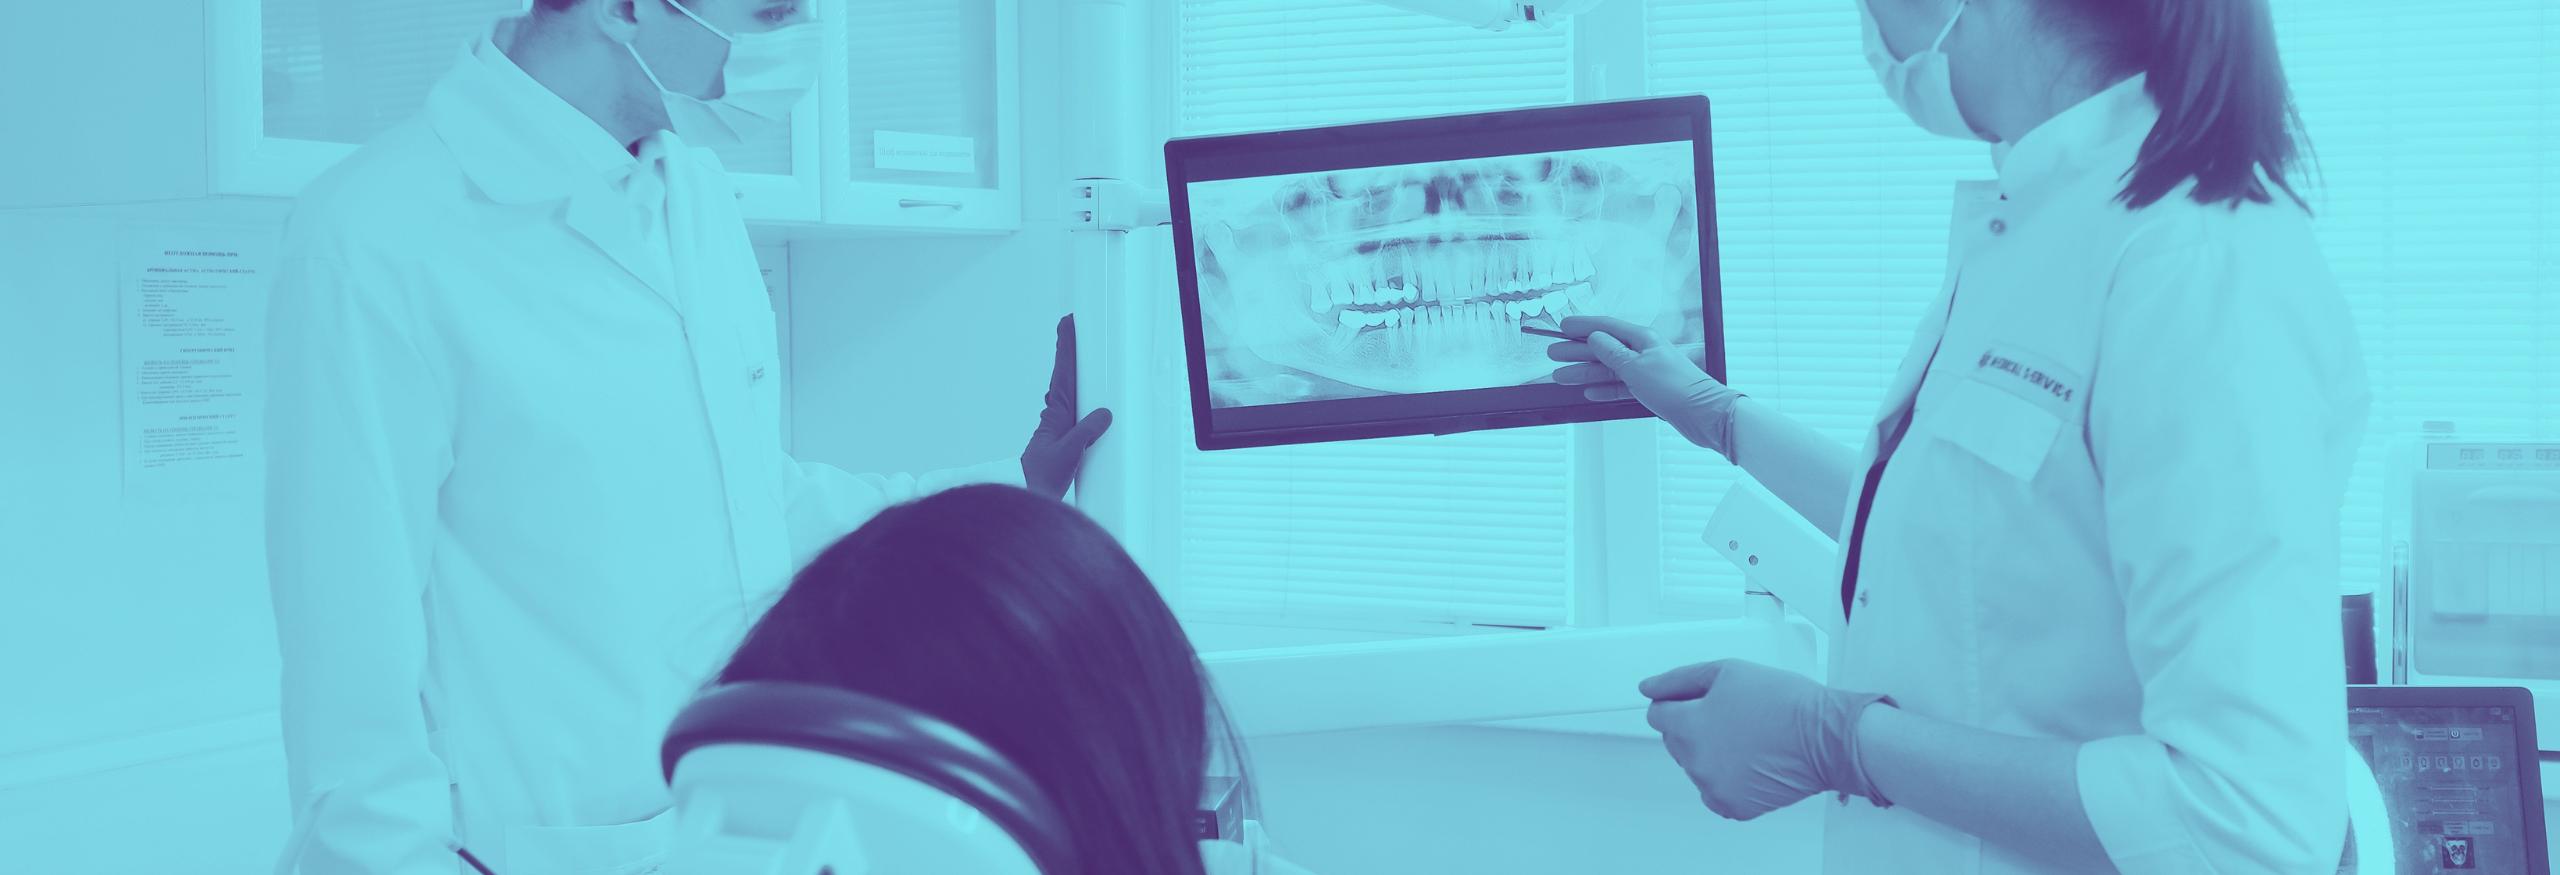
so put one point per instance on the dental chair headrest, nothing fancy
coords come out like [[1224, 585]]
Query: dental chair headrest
[[880, 733]]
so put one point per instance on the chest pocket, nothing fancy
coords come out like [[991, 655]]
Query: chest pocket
[[2004, 431]]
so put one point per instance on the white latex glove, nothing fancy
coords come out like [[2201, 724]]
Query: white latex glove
[[1625, 360]]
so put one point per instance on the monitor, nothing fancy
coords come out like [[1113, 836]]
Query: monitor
[[2460, 776], [1371, 280]]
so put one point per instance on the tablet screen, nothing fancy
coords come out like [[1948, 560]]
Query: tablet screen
[[1372, 280], [2450, 776], [1416, 278]]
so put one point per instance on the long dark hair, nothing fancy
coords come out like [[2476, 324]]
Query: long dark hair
[[1017, 619], [2226, 113]]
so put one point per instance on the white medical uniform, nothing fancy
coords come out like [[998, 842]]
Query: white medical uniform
[[2110, 513], [527, 482]]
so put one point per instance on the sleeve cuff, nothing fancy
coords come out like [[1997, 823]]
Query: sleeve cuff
[[2120, 792]]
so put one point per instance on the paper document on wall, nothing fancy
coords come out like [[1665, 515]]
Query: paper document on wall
[[931, 153], [1779, 553], [192, 303]]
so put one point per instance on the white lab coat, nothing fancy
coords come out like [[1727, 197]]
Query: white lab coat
[[2114, 516], [527, 482]]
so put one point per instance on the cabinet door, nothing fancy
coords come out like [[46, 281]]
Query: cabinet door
[[926, 117], [300, 83]]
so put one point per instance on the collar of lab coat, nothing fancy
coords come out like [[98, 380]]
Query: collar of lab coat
[[2103, 134], [521, 144]]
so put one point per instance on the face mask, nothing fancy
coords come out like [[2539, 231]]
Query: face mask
[[1921, 84], [766, 74]]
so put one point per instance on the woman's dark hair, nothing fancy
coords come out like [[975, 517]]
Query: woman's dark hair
[[1017, 619], [2226, 114]]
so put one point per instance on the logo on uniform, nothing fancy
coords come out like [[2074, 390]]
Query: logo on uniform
[[2033, 375]]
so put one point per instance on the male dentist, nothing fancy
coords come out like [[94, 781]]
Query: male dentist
[[527, 480]]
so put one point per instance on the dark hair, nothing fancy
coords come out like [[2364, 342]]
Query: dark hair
[[1015, 618], [2226, 113], [553, 5]]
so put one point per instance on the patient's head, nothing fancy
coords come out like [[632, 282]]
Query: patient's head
[[1017, 619]]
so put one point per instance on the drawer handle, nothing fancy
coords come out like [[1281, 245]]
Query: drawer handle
[[908, 203]]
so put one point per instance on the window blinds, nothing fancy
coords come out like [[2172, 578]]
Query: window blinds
[[343, 71], [2437, 129], [1832, 209], [1469, 528]]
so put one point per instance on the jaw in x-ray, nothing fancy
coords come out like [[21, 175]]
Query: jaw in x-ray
[[1417, 278]]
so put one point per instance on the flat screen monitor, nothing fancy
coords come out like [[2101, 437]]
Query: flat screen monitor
[[1371, 280], [2460, 776]]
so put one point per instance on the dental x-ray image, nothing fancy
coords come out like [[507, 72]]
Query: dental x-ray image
[[1416, 278]]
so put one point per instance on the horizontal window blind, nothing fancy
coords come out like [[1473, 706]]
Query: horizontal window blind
[[1467, 528], [2437, 129], [343, 71], [1832, 210]]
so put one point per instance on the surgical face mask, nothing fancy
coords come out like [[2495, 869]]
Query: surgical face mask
[[765, 75], [1921, 84]]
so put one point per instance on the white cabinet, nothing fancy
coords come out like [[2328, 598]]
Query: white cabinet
[[913, 126], [926, 122], [296, 84]]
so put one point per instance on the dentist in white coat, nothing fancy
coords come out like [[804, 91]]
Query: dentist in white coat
[[2090, 546], [527, 481]]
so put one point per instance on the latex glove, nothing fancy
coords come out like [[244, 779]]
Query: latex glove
[[1625, 360], [1056, 451], [1756, 739]]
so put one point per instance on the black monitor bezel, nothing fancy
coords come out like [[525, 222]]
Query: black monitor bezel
[[1393, 142], [2528, 744]]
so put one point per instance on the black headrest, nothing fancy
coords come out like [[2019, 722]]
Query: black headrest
[[883, 733]]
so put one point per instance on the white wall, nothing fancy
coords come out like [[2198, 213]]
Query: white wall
[[134, 631]]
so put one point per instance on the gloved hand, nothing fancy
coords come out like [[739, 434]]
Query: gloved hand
[[1756, 739], [1056, 451], [1625, 360]]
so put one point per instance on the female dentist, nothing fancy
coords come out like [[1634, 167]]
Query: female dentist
[[2090, 544]]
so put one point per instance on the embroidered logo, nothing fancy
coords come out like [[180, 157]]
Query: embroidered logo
[[2031, 377]]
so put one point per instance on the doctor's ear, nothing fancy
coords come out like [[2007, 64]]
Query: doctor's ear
[[618, 20]]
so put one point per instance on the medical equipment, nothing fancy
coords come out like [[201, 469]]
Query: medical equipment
[[798, 779], [1497, 14], [1781, 556], [2458, 774], [2475, 573], [1370, 280], [1544, 332]]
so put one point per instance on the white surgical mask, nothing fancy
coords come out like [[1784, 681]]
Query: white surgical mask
[[1921, 84], [765, 76]]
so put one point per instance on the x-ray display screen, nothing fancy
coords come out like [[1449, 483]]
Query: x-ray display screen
[[1387, 296]]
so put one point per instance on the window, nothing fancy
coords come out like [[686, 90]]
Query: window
[[2437, 128], [1469, 529]]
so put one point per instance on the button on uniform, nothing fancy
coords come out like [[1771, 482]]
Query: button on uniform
[[1999, 227]]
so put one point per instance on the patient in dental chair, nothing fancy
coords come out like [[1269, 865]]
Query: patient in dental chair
[[1018, 620]]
